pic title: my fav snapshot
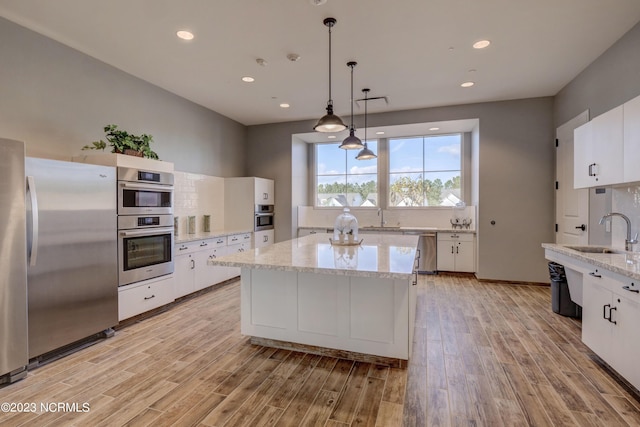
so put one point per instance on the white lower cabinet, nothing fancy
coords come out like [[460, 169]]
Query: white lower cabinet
[[143, 296], [456, 252], [263, 238], [610, 315], [192, 269]]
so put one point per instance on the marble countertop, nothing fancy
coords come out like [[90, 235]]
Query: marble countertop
[[379, 255], [186, 238], [621, 262]]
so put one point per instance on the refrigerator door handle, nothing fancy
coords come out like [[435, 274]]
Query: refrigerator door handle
[[31, 189]]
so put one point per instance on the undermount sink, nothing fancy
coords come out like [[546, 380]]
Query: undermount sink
[[377, 227], [596, 249]]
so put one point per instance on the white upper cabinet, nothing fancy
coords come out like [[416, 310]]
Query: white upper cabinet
[[632, 140], [598, 150], [264, 191]]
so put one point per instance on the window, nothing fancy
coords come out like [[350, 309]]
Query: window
[[341, 180], [425, 170]]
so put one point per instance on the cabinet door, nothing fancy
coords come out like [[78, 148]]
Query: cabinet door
[[184, 275], [608, 131], [465, 259], [263, 238], [596, 304], [264, 194], [205, 274], [583, 156], [625, 352], [631, 140], [446, 255]]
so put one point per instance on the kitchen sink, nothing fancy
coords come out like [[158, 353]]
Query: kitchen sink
[[596, 249], [377, 227]]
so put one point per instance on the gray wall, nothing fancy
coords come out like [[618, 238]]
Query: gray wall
[[515, 183], [611, 80], [57, 99]]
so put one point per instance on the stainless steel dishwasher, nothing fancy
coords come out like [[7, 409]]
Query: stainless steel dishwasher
[[427, 245]]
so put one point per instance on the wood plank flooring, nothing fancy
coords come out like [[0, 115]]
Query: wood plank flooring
[[485, 354]]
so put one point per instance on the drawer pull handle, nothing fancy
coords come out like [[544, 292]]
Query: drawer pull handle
[[627, 288], [604, 312], [594, 274], [147, 298], [183, 248], [204, 244]]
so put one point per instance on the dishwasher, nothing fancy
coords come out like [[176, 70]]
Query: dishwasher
[[427, 248]]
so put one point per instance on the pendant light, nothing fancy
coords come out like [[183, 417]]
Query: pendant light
[[352, 142], [329, 122], [365, 153]]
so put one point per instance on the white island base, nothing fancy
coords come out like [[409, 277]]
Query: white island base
[[359, 318]]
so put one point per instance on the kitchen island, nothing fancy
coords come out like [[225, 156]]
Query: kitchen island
[[356, 302]]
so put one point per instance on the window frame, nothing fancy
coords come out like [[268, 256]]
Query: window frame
[[314, 195]]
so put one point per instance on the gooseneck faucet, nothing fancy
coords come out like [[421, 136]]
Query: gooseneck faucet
[[381, 215], [628, 241]]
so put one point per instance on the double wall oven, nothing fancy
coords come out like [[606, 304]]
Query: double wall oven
[[145, 225]]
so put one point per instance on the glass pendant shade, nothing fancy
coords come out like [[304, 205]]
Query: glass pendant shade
[[330, 122], [365, 154], [352, 142]]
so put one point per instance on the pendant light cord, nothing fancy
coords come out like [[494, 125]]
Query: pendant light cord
[[366, 93], [330, 100]]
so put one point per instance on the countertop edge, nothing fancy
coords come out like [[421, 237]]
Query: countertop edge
[[212, 235], [597, 260], [337, 272]]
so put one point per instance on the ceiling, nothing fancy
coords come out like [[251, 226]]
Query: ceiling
[[415, 52]]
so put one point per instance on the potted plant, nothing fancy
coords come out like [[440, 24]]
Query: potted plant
[[125, 143]]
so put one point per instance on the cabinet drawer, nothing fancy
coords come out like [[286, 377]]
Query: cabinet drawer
[[141, 297], [240, 247], [187, 248], [234, 239], [458, 237], [218, 242]]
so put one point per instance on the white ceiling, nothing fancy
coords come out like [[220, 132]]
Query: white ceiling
[[416, 52]]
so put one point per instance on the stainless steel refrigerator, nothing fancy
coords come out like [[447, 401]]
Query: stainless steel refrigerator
[[72, 274], [13, 263]]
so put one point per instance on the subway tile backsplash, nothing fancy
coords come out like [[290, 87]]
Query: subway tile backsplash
[[625, 200], [198, 195]]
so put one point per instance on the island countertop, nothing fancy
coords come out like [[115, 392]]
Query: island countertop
[[380, 256]]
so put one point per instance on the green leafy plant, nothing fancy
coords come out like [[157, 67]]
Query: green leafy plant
[[122, 141]]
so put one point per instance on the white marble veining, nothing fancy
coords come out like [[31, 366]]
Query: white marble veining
[[379, 256], [185, 238], [621, 262]]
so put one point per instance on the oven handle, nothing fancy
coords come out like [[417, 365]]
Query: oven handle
[[146, 232], [158, 187]]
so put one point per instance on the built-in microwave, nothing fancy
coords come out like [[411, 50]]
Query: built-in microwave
[[143, 192], [263, 217]]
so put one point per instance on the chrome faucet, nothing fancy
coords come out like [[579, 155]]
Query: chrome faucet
[[628, 241], [381, 215]]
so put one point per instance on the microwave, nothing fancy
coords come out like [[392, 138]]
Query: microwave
[[263, 218], [144, 192]]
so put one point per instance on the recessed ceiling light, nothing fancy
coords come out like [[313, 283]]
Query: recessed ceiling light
[[331, 137], [434, 128], [467, 84], [285, 105], [481, 44], [185, 35], [380, 132], [248, 79]]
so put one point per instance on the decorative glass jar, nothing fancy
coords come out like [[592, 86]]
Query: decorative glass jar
[[345, 228]]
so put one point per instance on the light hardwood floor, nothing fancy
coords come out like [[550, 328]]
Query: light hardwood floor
[[484, 354]]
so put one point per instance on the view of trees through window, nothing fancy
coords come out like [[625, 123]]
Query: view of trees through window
[[425, 171], [344, 181]]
